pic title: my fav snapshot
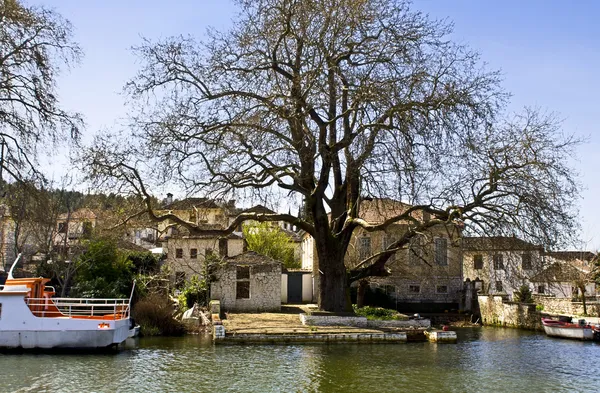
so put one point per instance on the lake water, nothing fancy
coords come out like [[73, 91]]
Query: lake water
[[484, 360]]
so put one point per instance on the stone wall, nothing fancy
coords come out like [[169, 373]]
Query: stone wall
[[265, 287], [496, 311], [562, 306]]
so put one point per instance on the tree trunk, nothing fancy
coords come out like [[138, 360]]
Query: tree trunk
[[582, 288], [333, 292], [360, 293]]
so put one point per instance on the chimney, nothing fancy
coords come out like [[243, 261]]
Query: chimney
[[168, 199], [231, 203]]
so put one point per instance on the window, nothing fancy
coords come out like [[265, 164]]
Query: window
[[526, 261], [441, 289], [364, 247], [193, 216], [62, 227], [150, 237], [499, 286], [223, 247], [179, 253], [87, 229], [414, 288], [478, 262], [179, 280], [415, 250], [193, 253], [541, 289], [242, 288], [441, 251], [498, 262]]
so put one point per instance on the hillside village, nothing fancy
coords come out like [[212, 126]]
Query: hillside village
[[440, 270]]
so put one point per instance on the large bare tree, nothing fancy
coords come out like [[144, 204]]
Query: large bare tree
[[327, 102], [35, 43]]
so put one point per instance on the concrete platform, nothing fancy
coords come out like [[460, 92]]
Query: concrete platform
[[441, 336], [286, 327]]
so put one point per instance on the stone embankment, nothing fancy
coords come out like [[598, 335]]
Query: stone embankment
[[293, 325]]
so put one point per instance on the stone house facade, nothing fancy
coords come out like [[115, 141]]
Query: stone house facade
[[429, 270], [248, 282], [186, 255], [7, 238], [203, 212], [501, 264], [565, 274], [74, 226]]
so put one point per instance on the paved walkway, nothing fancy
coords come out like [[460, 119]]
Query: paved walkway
[[285, 322]]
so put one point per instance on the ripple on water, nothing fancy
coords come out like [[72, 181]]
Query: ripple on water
[[499, 360]]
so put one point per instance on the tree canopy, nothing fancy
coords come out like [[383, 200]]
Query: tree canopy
[[35, 43], [329, 102], [267, 239]]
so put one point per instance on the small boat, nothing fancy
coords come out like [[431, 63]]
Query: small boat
[[31, 317], [578, 331]]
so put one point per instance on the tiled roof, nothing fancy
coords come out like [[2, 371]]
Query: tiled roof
[[497, 243], [79, 214], [559, 272], [252, 258], [572, 255], [190, 203]]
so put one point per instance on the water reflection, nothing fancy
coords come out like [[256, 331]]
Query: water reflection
[[499, 360]]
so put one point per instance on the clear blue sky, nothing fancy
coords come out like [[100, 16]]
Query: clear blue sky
[[548, 51]]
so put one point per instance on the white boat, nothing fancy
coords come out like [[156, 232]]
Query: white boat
[[31, 317], [578, 331]]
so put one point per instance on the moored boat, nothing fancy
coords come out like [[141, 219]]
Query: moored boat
[[31, 317], [578, 331]]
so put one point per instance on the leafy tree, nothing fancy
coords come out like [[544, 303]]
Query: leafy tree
[[103, 271], [35, 43], [328, 102], [269, 240]]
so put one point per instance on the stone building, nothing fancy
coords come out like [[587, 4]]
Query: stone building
[[203, 212], [7, 238], [248, 282], [427, 272], [501, 264], [73, 226], [186, 255], [565, 274]]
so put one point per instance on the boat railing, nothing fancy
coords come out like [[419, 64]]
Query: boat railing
[[79, 307]]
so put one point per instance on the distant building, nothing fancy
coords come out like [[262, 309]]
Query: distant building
[[501, 264], [7, 238], [73, 226]]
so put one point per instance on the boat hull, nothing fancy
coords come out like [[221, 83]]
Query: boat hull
[[63, 339], [570, 331], [19, 328]]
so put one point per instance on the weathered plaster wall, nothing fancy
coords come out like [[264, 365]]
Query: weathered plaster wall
[[307, 288], [265, 288]]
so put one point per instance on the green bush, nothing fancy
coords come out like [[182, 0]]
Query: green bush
[[539, 307], [523, 295], [195, 291], [376, 313]]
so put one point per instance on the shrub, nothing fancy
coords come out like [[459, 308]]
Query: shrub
[[195, 291], [376, 313], [539, 307], [154, 314], [523, 295]]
